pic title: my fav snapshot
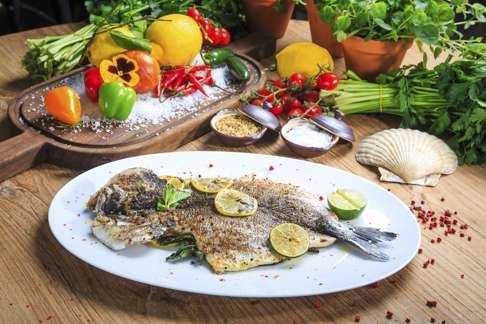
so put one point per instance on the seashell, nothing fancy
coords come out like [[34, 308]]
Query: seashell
[[408, 156]]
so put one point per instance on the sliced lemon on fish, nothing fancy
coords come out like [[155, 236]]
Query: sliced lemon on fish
[[229, 202], [346, 203], [290, 240], [211, 185], [176, 182]]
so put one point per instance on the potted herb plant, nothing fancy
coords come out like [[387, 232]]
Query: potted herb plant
[[376, 34], [269, 16], [321, 31]]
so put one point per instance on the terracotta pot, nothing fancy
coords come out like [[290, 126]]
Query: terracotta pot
[[321, 31], [370, 58], [262, 16]]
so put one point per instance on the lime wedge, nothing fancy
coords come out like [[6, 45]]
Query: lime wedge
[[346, 203]]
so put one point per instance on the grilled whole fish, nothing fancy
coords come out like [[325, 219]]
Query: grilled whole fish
[[126, 215]]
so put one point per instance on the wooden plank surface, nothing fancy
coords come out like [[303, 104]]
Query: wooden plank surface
[[43, 283]]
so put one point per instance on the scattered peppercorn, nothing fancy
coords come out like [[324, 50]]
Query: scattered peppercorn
[[389, 315], [420, 251], [407, 320], [431, 303], [211, 165], [442, 199], [432, 320], [271, 168], [462, 276], [469, 238], [357, 318], [375, 284]]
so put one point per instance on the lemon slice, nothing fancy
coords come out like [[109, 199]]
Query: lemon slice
[[176, 182], [347, 203], [290, 240], [211, 185], [231, 202]]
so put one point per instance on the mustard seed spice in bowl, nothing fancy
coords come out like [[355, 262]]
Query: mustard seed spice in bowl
[[236, 129]]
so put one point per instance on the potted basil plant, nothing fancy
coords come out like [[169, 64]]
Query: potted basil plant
[[269, 16], [376, 34]]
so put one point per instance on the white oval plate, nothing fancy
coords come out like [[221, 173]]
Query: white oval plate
[[334, 269]]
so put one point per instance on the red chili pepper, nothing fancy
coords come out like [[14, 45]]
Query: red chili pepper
[[196, 83], [158, 89], [189, 90]]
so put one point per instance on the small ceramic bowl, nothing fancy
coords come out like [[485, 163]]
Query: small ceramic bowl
[[305, 151], [234, 140]]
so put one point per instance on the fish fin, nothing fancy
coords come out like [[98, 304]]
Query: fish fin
[[369, 249], [363, 238], [373, 234]]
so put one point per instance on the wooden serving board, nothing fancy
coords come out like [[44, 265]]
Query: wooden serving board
[[99, 141]]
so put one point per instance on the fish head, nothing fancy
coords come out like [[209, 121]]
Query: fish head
[[133, 191]]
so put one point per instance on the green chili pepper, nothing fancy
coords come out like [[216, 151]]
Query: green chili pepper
[[217, 56], [116, 100], [238, 69]]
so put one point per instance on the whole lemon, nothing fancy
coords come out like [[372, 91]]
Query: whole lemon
[[102, 46], [179, 37], [303, 57]]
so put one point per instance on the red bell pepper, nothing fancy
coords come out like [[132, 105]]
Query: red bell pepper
[[92, 83]]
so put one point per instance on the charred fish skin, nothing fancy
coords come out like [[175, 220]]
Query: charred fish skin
[[134, 191]]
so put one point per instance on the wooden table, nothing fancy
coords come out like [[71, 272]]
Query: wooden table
[[41, 282]]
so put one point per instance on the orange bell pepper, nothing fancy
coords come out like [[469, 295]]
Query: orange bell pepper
[[64, 105]]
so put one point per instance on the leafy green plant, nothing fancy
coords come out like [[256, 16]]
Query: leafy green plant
[[427, 21]]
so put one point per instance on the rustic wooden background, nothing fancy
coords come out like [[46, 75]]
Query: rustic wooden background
[[41, 282]]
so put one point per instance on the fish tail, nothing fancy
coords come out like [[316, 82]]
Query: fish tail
[[363, 238]]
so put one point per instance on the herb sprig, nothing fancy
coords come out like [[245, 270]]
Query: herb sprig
[[171, 198]]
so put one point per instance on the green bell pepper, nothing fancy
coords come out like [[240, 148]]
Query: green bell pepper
[[116, 101]]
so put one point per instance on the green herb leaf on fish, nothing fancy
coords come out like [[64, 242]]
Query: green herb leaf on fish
[[171, 198]]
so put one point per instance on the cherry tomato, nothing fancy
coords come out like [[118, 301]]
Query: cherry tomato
[[313, 110], [327, 81], [296, 112], [257, 102], [225, 37], [194, 13], [297, 80], [214, 35], [205, 25], [277, 109], [64, 105], [294, 103], [267, 94], [311, 96], [279, 83], [148, 70], [284, 98]]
